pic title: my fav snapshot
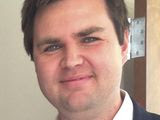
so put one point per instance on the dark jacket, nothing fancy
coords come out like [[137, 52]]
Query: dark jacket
[[140, 114]]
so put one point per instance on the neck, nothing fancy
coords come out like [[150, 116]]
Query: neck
[[106, 111]]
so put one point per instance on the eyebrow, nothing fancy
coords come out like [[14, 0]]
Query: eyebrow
[[89, 31], [82, 33], [48, 41]]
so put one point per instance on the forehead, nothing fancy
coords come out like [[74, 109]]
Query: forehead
[[73, 6], [71, 16]]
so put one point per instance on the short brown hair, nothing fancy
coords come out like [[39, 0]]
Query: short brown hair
[[117, 11]]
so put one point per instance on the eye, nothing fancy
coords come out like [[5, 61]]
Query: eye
[[53, 47], [89, 39]]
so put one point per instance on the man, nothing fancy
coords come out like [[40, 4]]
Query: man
[[79, 48]]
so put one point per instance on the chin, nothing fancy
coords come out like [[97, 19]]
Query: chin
[[78, 102]]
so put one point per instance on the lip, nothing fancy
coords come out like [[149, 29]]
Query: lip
[[76, 78], [75, 82]]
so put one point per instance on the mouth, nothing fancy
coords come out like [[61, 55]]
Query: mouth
[[76, 81], [72, 79]]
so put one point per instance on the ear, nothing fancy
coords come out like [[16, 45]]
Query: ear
[[124, 46]]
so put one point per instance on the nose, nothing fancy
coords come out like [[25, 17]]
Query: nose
[[72, 58]]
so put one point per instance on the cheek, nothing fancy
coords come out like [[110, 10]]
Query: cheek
[[46, 71], [105, 57], [107, 63], [47, 74]]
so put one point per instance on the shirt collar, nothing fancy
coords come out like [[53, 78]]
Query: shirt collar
[[126, 110]]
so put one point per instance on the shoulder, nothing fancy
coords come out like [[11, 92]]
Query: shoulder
[[141, 114], [154, 116]]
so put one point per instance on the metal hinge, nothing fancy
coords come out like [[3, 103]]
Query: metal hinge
[[136, 38]]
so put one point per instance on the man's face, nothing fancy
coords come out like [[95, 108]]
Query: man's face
[[77, 56]]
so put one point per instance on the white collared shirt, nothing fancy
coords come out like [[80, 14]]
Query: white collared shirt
[[126, 110]]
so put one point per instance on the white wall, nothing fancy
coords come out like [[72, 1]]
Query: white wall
[[153, 56], [130, 7], [20, 96]]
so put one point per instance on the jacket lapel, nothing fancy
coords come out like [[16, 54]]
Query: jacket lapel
[[139, 113]]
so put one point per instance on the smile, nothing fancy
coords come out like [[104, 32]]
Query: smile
[[72, 79], [76, 82]]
